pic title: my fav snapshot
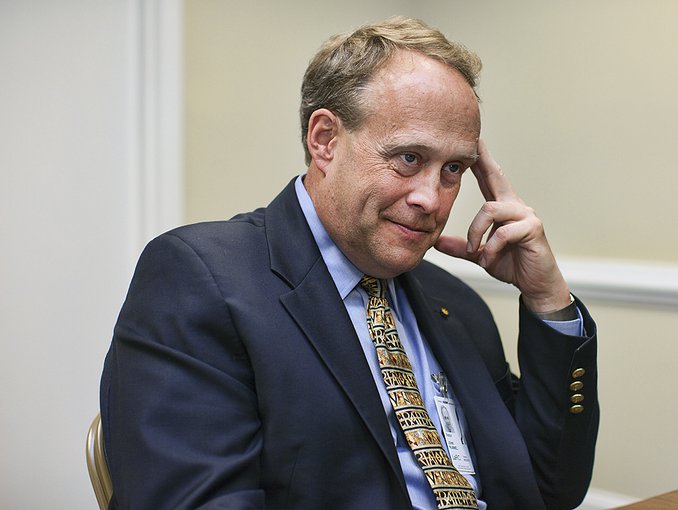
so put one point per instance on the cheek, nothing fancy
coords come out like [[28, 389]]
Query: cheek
[[375, 191], [386, 201], [447, 200]]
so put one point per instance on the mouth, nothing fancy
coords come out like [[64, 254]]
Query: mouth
[[413, 232], [412, 227]]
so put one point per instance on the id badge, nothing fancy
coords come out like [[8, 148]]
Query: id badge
[[456, 443]]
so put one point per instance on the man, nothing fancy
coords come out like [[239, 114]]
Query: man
[[255, 366]]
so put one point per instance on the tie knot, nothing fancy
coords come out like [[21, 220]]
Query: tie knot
[[373, 286]]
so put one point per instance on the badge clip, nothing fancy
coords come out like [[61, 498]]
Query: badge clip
[[441, 381]]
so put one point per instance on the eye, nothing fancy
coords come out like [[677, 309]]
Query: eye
[[409, 158], [453, 168]]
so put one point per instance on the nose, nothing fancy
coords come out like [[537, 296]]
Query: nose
[[425, 190]]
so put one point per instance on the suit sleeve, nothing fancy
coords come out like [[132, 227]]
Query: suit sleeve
[[178, 403], [559, 428]]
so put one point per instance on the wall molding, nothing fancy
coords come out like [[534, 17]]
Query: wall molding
[[611, 281], [155, 99]]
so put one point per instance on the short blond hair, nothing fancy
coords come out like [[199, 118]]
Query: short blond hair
[[338, 74]]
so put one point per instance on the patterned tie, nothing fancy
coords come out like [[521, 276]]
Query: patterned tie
[[450, 488]]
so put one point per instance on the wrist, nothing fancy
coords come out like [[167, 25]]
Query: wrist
[[566, 313], [552, 297]]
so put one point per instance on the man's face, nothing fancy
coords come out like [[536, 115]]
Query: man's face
[[389, 187]]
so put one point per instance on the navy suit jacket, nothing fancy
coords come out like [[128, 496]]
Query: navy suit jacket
[[235, 380]]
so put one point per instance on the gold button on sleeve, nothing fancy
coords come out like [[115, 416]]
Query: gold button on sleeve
[[577, 373], [577, 398], [576, 386], [576, 409]]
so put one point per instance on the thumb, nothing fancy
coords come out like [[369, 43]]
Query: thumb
[[455, 247]]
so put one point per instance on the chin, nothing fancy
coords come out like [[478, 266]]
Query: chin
[[397, 267]]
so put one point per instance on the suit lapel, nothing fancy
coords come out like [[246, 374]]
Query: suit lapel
[[453, 347], [316, 307]]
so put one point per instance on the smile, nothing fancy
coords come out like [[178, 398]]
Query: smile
[[413, 231]]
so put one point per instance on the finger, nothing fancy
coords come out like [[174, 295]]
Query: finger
[[455, 247], [514, 233], [494, 214], [491, 179]]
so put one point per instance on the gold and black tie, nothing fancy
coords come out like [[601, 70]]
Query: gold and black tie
[[449, 486]]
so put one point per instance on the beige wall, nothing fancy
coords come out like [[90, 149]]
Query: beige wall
[[244, 63], [580, 105]]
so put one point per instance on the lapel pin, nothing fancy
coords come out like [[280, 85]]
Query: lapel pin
[[444, 312]]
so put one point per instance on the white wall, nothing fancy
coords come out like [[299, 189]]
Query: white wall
[[77, 145]]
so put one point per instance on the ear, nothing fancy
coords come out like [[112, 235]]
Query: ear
[[321, 138]]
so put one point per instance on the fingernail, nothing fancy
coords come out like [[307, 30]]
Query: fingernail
[[469, 247]]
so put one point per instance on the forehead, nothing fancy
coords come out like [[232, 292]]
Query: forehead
[[415, 93]]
